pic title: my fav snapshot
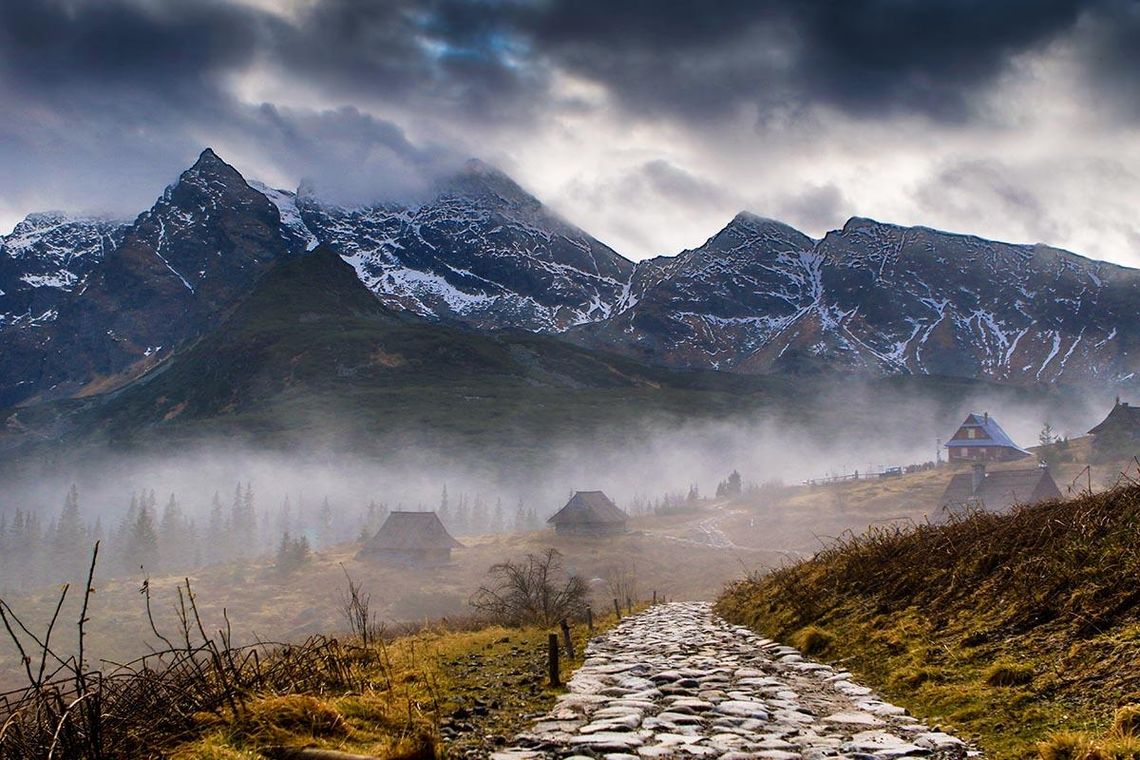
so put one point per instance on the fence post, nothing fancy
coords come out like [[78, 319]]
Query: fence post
[[569, 640], [617, 608], [590, 619], [552, 650], [655, 596]]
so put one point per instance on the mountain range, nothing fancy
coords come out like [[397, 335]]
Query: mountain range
[[91, 305]]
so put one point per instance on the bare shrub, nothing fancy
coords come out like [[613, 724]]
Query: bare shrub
[[355, 607], [535, 591], [135, 709]]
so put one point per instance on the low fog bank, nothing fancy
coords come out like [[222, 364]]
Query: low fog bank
[[219, 502]]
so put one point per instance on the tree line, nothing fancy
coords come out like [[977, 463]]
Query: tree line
[[158, 536]]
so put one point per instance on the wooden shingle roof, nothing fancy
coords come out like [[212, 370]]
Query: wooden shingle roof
[[409, 531], [589, 508], [1123, 417], [1001, 489]]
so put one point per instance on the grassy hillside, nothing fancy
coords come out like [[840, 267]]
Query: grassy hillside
[[1007, 628], [310, 360]]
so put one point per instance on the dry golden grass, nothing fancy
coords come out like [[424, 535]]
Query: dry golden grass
[[1007, 628], [492, 678]]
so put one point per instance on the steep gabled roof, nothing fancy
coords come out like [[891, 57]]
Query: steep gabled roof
[[993, 435], [409, 531], [1001, 489], [588, 508], [1122, 417]]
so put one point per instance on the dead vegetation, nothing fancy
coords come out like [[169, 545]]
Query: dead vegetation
[[1007, 627], [197, 678], [533, 591], [198, 695]]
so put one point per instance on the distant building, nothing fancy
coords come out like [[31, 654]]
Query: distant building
[[411, 538], [589, 513], [1120, 430], [981, 439], [999, 490]]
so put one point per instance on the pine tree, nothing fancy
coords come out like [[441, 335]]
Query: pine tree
[[461, 518], [142, 545], [175, 538], [216, 532], [68, 538], [734, 487]]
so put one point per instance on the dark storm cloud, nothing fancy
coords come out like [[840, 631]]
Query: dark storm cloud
[[163, 50], [1108, 43], [119, 95], [491, 60], [863, 56]]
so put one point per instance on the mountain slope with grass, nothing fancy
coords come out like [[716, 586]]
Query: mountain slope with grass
[[1008, 627], [311, 357]]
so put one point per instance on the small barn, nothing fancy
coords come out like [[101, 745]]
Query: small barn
[[589, 513], [411, 538], [1119, 432], [980, 439], [999, 490]]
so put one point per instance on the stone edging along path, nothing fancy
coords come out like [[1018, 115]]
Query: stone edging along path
[[677, 681]]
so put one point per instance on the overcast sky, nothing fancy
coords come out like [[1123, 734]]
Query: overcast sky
[[648, 123]]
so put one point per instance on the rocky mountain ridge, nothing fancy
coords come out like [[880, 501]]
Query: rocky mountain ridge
[[89, 304], [878, 299]]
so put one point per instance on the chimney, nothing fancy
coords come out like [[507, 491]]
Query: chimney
[[985, 418], [979, 477]]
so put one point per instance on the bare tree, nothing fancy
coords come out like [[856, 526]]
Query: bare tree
[[621, 581], [536, 590]]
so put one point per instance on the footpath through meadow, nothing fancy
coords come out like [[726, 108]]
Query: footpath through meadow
[[677, 681]]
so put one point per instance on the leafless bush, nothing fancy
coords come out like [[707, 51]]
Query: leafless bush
[[535, 591], [138, 708], [355, 607]]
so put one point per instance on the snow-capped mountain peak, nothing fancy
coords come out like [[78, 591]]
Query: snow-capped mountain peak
[[47, 255], [482, 251]]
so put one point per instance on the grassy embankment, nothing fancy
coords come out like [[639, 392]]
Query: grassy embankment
[[436, 693], [1006, 628]]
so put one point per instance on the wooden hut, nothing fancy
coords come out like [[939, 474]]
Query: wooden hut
[[999, 490], [980, 439], [589, 513], [1119, 432], [411, 538]]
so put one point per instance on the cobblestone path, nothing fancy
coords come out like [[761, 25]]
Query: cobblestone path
[[677, 681]]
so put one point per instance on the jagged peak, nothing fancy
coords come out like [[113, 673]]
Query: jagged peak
[[210, 164], [753, 221], [862, 222], [478, 180], [209, 158], [53, 218], [748, 224]]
